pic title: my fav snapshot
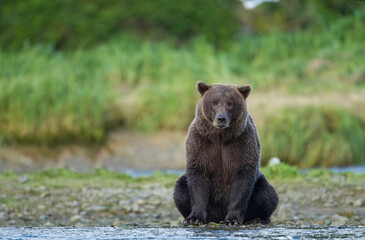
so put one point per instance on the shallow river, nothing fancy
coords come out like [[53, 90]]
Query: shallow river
[[359, 169], [225, 232]]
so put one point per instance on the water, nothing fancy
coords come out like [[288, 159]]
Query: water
[[146, 173], [225, 232], [358, 169]]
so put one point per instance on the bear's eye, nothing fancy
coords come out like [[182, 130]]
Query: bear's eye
[[230, 104], [215, 102]]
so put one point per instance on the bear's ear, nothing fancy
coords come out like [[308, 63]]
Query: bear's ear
[[202, 87], [245, 90]]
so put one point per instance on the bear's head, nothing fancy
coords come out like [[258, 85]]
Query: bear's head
[[223, 104]]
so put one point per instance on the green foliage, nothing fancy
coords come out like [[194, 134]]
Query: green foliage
[[288, 15], [9, 174], [60, 177], [66, 23], [65, 173], [314, 136], [50, 97], [74, 24], [319, 173], [281, 171]]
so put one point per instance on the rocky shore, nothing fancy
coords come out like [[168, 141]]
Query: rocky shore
[[103, 200]]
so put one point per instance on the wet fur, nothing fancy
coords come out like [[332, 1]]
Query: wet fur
[[223, 182]]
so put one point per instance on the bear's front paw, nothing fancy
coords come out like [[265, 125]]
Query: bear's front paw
[[232, 220], [193, 221]]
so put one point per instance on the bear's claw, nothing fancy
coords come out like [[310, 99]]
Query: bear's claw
[[193, 221], [230, 222]]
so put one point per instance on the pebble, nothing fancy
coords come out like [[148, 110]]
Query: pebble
[[358, 203], [75, 218], [152, 204], [79, 225], [48, 224], [96, 208], [338, 220], [41, 207]]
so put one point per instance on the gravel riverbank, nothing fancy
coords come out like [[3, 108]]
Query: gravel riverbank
[[103, 200]]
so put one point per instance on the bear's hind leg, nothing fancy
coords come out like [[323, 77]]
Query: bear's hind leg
[[263, 201], [181, 196]]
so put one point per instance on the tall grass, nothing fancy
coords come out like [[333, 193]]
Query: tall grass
[[50, 97], [314, 136]]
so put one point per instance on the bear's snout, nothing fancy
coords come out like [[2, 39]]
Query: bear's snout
[[221, 121]]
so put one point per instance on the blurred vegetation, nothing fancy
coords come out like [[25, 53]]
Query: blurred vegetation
[[314, 136], [70, 24], [75, 71], [60, 177], [51, 97], [285, 171]]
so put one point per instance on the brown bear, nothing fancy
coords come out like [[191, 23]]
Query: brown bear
[[223, 183]]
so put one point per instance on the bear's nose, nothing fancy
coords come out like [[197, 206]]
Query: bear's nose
[[221, 120]]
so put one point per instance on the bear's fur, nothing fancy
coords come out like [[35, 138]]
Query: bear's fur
[[223, 183]]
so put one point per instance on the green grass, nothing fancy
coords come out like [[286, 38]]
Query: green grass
[[61, 177], [49, 97], [314, 136]]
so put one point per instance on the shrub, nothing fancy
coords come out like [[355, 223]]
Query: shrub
[[74, 24], [314, 136], [281, 171]]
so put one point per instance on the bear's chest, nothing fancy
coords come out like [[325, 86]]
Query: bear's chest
[[222, 164]]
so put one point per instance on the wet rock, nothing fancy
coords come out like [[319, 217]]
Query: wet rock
[[48, 224], [289, 223], [299, 223], [338, 220], [320, 222], [116, 223], [324, 222], [75, 218], [78, 225]]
